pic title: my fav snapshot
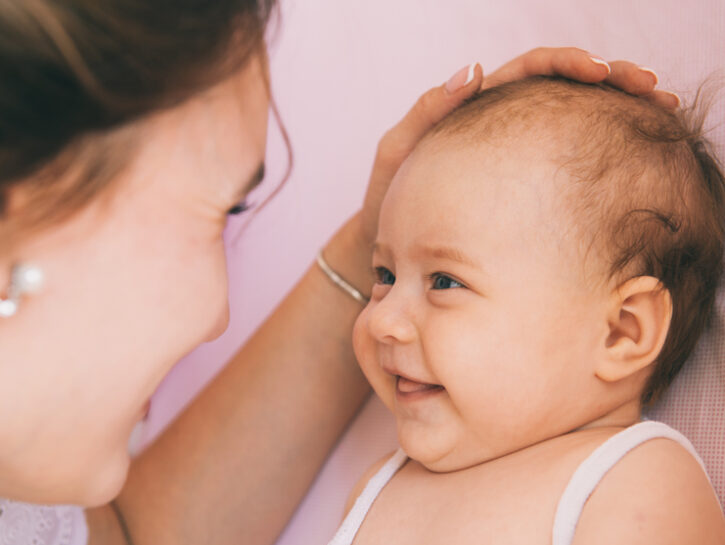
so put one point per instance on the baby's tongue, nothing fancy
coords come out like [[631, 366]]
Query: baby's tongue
[[407, 386]]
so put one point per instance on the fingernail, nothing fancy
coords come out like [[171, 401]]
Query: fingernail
[[601, 62], [461, 78], [676, 97], [650, 71]]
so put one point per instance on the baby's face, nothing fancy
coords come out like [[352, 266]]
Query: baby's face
[[482, 325]]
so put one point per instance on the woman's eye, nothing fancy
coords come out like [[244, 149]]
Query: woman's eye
[[239, 208], [384, 276], [443, 282]]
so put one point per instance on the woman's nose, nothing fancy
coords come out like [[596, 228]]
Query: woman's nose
[[389, 322]]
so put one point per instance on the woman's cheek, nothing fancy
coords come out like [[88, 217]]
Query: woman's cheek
[[214, 305], [107, 481], [222, 322]]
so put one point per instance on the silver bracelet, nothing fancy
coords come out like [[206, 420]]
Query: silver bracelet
[[340, 281]]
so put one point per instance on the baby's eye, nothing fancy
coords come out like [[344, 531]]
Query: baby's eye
[[239, 208], [443, 282], [384, 276]]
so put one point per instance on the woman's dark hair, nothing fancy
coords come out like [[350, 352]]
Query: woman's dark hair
[[75, 74]]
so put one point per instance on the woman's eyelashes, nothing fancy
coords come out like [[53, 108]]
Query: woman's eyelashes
[[239, 208], [437, 280]]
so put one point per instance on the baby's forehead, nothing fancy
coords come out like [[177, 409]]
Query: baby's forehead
[[510, 189], [501, 208], [580, 152], [507, 165], [589, 134]]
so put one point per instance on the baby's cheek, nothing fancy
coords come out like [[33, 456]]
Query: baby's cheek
[[364, 346], [366, 352], [359, 341]]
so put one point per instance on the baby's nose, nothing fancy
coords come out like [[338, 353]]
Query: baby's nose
[[389, 323]]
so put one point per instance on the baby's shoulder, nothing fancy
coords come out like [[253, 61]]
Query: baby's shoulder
[[363, 481], [656, 493]]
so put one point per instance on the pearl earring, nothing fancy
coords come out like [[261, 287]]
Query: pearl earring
[[24, 279]]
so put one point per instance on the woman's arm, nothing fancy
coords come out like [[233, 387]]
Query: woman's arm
[[237, 462]]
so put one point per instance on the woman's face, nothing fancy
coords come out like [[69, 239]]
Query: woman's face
[[130, 289]]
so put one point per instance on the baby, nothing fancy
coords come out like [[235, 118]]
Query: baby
[[546, 260]]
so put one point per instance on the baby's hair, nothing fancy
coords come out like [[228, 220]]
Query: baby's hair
[[646, 191]]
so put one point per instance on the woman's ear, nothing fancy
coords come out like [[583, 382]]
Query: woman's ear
[[638, 319]]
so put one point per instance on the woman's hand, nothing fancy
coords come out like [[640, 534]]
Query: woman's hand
[[438, 102]]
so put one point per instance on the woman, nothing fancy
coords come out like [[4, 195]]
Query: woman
[[129, 131]]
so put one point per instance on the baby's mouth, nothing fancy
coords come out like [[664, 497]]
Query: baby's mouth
[[411, 389]]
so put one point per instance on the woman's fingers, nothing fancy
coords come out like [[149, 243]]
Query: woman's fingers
[[570, 62], [400, 141], [641, 81], [631, 78], [580, 65], [664, 99], [430, 108]]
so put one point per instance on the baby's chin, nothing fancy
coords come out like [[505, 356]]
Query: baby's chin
[[447, 463], [442, 453]]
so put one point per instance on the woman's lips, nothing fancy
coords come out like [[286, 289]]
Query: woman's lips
[[409, 390]]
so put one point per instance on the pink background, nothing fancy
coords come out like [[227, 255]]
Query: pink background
[[342, 73]]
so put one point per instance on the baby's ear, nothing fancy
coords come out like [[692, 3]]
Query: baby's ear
[[639, 318]]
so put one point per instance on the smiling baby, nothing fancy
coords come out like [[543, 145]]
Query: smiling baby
[[546, 260]]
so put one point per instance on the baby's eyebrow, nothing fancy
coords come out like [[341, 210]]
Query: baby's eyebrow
[[439, 252], [450, 253]]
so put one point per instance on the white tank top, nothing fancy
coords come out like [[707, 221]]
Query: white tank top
[[581, 485]]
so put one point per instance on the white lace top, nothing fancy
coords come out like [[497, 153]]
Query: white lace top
[[25, 524]]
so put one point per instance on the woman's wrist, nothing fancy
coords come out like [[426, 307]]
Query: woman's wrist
[[349, 254]]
